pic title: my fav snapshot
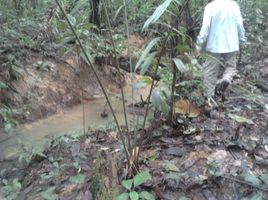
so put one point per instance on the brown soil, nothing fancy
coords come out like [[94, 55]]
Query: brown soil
[[43, 92], [220, 157], [49, 85]]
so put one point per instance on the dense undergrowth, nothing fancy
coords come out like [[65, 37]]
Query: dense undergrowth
[[170, 27]]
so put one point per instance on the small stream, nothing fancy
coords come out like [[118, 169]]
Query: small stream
[[35, 135]]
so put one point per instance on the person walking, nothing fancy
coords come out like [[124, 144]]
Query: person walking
[[222, 34]]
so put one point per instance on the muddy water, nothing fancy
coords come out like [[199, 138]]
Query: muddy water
[[35, 135]]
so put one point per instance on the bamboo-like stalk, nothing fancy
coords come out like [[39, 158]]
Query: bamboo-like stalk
[[118, 69], [171, 112], [82, 92], [98, 80], [135, 142]]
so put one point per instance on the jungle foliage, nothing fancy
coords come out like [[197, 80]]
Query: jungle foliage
[[95, 29]]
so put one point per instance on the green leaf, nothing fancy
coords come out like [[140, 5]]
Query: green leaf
[[3, 85], [157, 14], [147, 80], [49, 194], [5, 182], [184, 198], [170, 166], [252, 178], [8, 127], [127, 184], [123, 196], [80, 178], [179, 64], [118, 11], [146, 195], [142, 82], [256, 196], [141, 178], [147, 62], [164, 108], [264, 178], [156, 98], [146, 52], [79, 5], [134, 195], [72, 19], [16, 184]]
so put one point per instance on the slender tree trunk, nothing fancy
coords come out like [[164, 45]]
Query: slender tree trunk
[[34, 4], [94, 15]]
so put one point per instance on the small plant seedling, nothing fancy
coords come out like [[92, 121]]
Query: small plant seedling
[[131, 186]]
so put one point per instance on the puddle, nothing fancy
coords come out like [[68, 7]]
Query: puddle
[[35, 135]]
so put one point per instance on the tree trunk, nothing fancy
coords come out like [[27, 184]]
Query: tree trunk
[[94, 15]]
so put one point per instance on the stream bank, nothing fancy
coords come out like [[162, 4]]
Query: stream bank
[[220, 157]]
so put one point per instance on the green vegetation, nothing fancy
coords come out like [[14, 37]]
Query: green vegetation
[[97, 33]]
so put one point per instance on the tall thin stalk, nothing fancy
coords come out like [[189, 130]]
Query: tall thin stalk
[[82, 92], [135, 142], [98, 80], [171, 112], [118, 69]]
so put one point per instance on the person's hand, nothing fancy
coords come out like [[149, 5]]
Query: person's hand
[[197, 52]]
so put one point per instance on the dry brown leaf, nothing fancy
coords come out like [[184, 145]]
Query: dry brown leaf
[[185, 107]]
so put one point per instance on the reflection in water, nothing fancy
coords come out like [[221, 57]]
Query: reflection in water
[[34, 135]]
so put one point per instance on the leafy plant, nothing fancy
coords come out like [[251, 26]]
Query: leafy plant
[[214, 169], [131, 185], [26, 153], [9, 120], [11, 190], [49, 194]]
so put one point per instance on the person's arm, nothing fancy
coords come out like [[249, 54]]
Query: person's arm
[[203, 35]]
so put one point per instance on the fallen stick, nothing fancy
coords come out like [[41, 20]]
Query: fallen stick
[[245, 183]]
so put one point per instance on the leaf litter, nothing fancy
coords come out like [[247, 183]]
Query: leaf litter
[[198, 158]]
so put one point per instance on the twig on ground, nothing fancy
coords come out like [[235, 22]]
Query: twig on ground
[[245, 183]]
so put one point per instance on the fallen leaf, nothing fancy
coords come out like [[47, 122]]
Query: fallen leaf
[[107, 183], [252, 178], [150, 154], [219, 156], [49, 194], [169, 166], [185, 107], [190, 131], [176, 151], [75, 149], [146, 195], [240, 119], [77, 179]]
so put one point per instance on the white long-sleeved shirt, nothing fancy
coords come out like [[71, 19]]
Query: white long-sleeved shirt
[[222, 27]]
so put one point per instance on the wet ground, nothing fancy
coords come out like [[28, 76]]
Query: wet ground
[[76, 120], [218, 157]]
